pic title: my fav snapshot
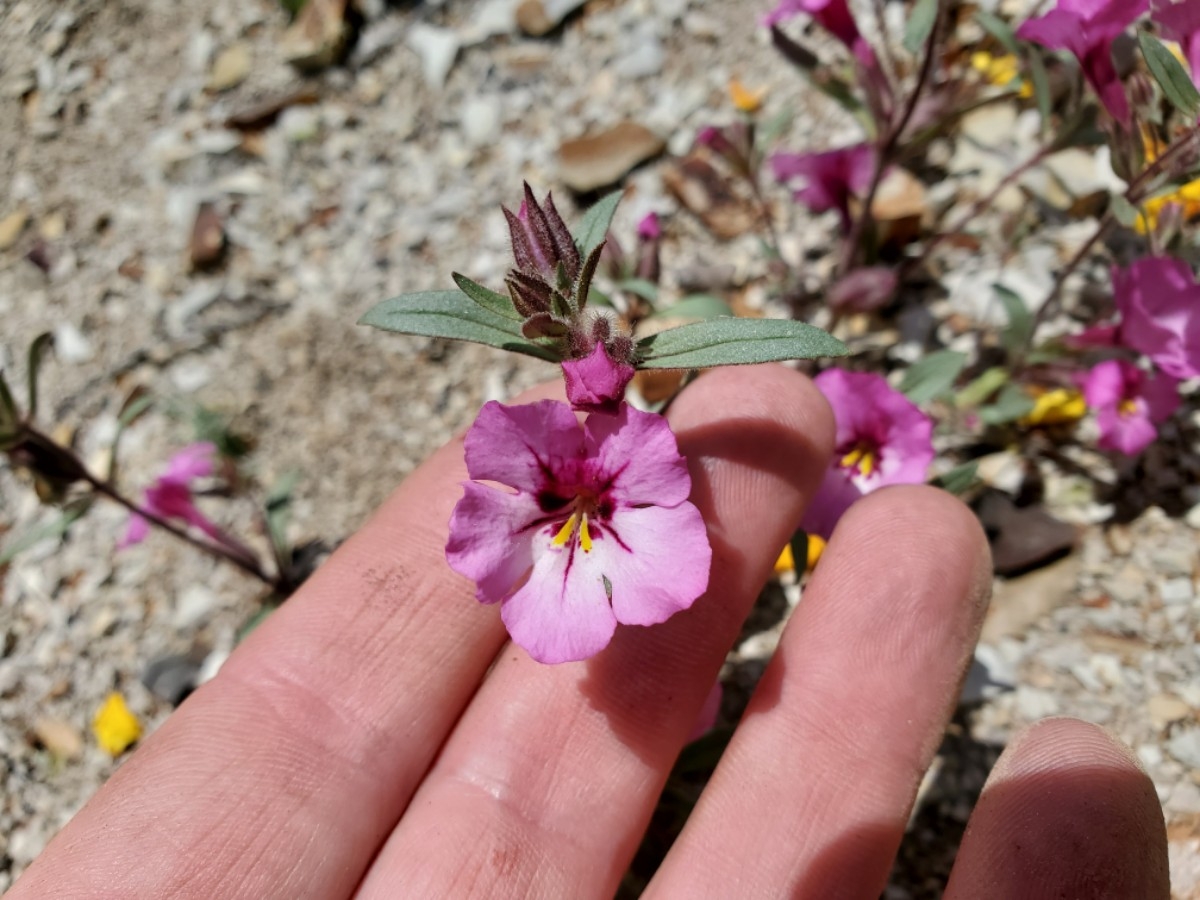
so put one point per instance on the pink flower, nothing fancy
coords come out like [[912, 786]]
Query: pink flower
[[599, 531], [1087, 28], [1159, 302], [649, 228], [170, 497], [832, 15], [597, 382], [882, 439], [831, 178], [1129, 403], [1181, 22]]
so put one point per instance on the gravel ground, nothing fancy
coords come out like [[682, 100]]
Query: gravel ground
[[385, 183]]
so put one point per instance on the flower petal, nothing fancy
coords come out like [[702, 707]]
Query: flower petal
[[561, 614], [135, 532], [836, 494], [522, 446], [596, 383], [637, 452], [657, 561], [193, 461], [491, 539]]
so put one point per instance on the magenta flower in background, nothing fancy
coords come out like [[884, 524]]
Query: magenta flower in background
[[1087, 28], [1129, 404], [832, 15], [1159, 302], [599, 515], [830, 178], [882, 439], [597, 382], [170, 497], [1181, 22], [649, 228]]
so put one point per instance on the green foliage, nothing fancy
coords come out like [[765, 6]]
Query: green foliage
[[55, 528], [1171, 76], [209, 425], [999, 29], [453, 315], [932, 376], [919, 28], [695, 306], [37, 350], [647, 290], [1011, 404], [958, 480], [500, 304], [981, 388], [1019, 331], [731, 341], [593, 227]]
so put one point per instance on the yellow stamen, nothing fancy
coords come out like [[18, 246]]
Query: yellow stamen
[[564, 533], [585, 539], [860, 458], [786, 562], [1001, 71], [1127, 408]]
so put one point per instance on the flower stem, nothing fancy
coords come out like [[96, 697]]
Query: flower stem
[[233, 552], [887, 147]]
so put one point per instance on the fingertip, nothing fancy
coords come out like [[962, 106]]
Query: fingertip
[[1067, 811]]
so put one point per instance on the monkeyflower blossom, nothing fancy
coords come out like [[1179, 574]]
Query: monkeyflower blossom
[[832, 15], [597, 382], [1159, 302], [1087, 28], [830, 178], [1129, 404], [882, 439], [597, 530], [1181, 22], [170, 497]]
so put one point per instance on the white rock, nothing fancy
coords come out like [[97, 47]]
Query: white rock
[[437, 48], [1185, 746], [190, 374], [299, 123], [71, 345], [1035, 703], [480, 119], [1176, 591], [193, 606]]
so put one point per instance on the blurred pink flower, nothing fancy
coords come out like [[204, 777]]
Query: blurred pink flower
[[1129, 403], [1181, 22], [170, 497], [1087, 28], [597, 382], [832, 15], [599, 530], [1159, 302], [830, 178], [882, 439], [649, 229]]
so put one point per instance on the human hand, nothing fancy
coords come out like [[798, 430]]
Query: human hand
[[362, 743]]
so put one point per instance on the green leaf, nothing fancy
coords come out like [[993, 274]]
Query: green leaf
[[999, 29], [730, 341], [932, 376], [1124, 211], [920, 24], [1010, 405], [55, 528], [1170, 75], [837, 90], [695, 306], [1020, 321], [487, 298], [279, 510], [647, 290], [1041, 87], [36, 350], [981, 388], [959, 479], [452, 315], [592, 228], [9, 414]]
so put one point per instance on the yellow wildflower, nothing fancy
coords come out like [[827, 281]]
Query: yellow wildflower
[[1055, 407], [1000, 71], [787, 561], [1186, 196], [115, 726], [745, 99]]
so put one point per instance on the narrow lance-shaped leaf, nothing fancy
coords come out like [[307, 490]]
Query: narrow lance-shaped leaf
[[920, 24], [695, 306], [1041, 87], [9, 416], [959, 479], [1020, 321], [932, 376], [452, 315], [592, 228], [487, 298], [729, 341], [1011, 404], [1171, 76], [56, 527], [37, 350], [999, 29]]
